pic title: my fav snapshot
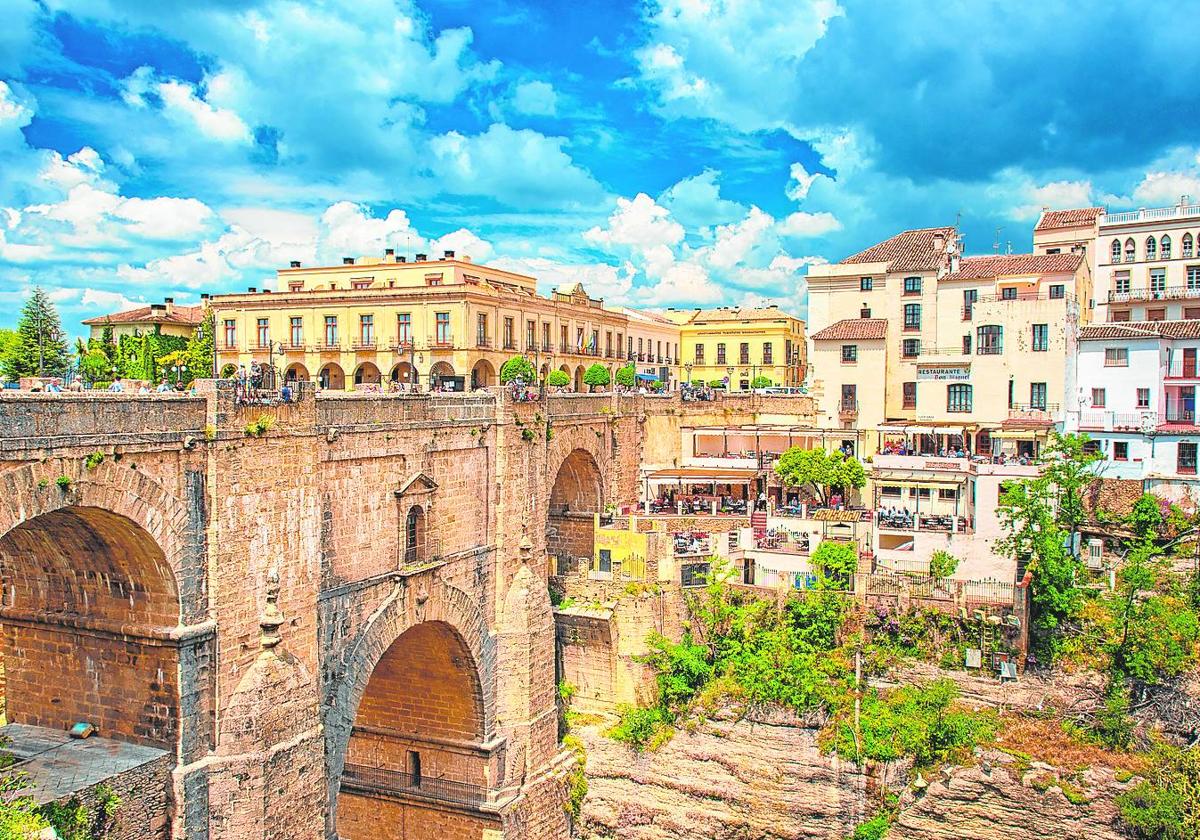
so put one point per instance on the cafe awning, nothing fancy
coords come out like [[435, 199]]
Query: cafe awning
[[1019, 434], [704, 475], [914, 478]]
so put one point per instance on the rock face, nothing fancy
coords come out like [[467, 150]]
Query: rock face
[[1003, 803], [730, 780]]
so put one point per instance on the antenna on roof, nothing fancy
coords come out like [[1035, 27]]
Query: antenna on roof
[[996, 244], [957, 220], [1009, 251]]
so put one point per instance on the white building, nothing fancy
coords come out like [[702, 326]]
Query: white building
[[1138, 391]]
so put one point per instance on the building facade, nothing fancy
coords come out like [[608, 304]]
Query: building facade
[[448, 324], [167, 318], [737, 345]]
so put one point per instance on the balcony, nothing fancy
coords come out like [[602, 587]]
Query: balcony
[[848, 410], [509, 344], [364, 344], [402, 345], [328, 346], [1034, 412], [295, 347], [1117, 421], [397, 782], [1167, 293], [1183, 415], [1183, 369], [443, 341], [483, 342]]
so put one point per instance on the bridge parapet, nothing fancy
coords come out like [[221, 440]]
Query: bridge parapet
[[42, 420]]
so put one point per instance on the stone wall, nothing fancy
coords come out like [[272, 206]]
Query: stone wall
[[144, 810], [386, 819]]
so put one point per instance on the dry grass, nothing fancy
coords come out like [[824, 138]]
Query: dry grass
[[1044, 739]]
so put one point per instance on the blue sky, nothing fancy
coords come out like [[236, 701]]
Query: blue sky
[[671, 153]]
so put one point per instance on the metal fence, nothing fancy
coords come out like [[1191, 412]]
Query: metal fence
[[382, 780]]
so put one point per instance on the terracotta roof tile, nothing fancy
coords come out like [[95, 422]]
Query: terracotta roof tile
[[191, 315], [910, 250], [993, 265], [853, 329], [1141, 329], [1053, 219]]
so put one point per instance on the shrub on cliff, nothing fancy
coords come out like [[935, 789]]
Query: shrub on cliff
[[1166, 806]]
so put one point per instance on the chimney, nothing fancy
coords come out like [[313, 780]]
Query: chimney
[[939, 241], [402, 258], [421, 257], [252, 289], [169, 300], [295, 263], [204, 296], [449, 255], [347, 260], [389, 252]]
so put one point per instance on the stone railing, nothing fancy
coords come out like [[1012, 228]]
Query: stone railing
[[374, 409], [53, 419]]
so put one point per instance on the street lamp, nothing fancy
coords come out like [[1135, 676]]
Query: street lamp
[[687, 372]]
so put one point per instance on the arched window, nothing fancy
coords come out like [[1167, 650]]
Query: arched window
[[1151, 248], [1187, 246], [1116, 250], [1130, 250], [414, 535], [1164, 247]]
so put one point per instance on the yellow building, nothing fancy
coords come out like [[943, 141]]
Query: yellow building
[[447, 323], [918, 343], [738, 345], [165, 318]]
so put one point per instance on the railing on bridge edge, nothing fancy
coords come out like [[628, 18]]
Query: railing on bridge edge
[[365, 779]]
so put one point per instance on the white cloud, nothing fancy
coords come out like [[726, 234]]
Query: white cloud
[[800, 182], [642, 228], [801, 224], [463, 243], [535, 98], [350, 230], [696, 201], [218, 123], [1163, 188], [683, 284], [612, 283]]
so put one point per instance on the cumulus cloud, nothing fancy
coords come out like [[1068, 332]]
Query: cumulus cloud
[[535, 98], [696, 201]]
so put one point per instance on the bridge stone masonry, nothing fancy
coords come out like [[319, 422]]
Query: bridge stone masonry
[[330, 617]]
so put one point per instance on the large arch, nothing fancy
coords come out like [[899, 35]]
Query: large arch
[[579, 380], [404, 373], [332, 378], [366, 374], [296, 372], [456, 628], [576, 494], [90, 609], [483, 374]]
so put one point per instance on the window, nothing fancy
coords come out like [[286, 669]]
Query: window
[[989, 340], [404, 328], [414, 535], [1116, 250], [768, 353], [1191, 313], [958, 397], [918, 492], [530, 334], [744, 354], [1156, 314], [866, 284], [1130, 250], [849, 354], [1119, 316], [1164, 246], [912, 285], [641, 347], [608, 342], [970, 296], [546, 344], [1116, 357], [849, 398], [1120, 450], [948, 494], [912, 316], [1143, 397], [264, 332], [910, 395], [366, 329], [1098, 396], [1187, 246], [331, 331], [694, 574], [1037, 395], [295, 287], [720, 353], [1158, 282], [605, 561], [1041, 338], [230, 333], [890, 490], [1193, 278], [1151, 248], [1186, 459], [509, 339], [699, 354], [564, 339], [967, 344], [1054, 250], [441, 325], [297, 331], [1008, 293], [1012, 394], [910, 348], [481, 330], [1058, 291], [1121, 282]]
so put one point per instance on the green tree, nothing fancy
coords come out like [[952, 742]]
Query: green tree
[[626, 376], [94, 366], [558, 379], [820, 470], [596, 376], [836, 561], [716, 383], [41, 348], [201, 350], [761, 382], [1146, 518], [517, 367], [9, 339], [942, 564], [1166, 806], [1069, 467]]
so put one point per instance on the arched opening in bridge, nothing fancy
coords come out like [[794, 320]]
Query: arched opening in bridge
[[89, 607], [419, 764], [404, 374], [366, 374], [332, 378], [414, 535], [579, 380], [483, 374], [296, 373], [577, 494]]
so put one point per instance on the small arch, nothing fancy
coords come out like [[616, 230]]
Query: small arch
[[1164, 246], [296, 372], [1187, 246], [332, 378], [366, 374], [1151, 248], [1116, 250], [1130, 250], [579, 379], [483, 374], [404, 373], [228, 371]]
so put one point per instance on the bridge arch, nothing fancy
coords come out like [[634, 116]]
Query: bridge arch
[[576, 493], [410, 725]]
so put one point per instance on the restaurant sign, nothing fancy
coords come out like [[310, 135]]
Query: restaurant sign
[[942, 373]]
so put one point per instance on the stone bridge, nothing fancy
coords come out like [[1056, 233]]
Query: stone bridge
[[332, 615]]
